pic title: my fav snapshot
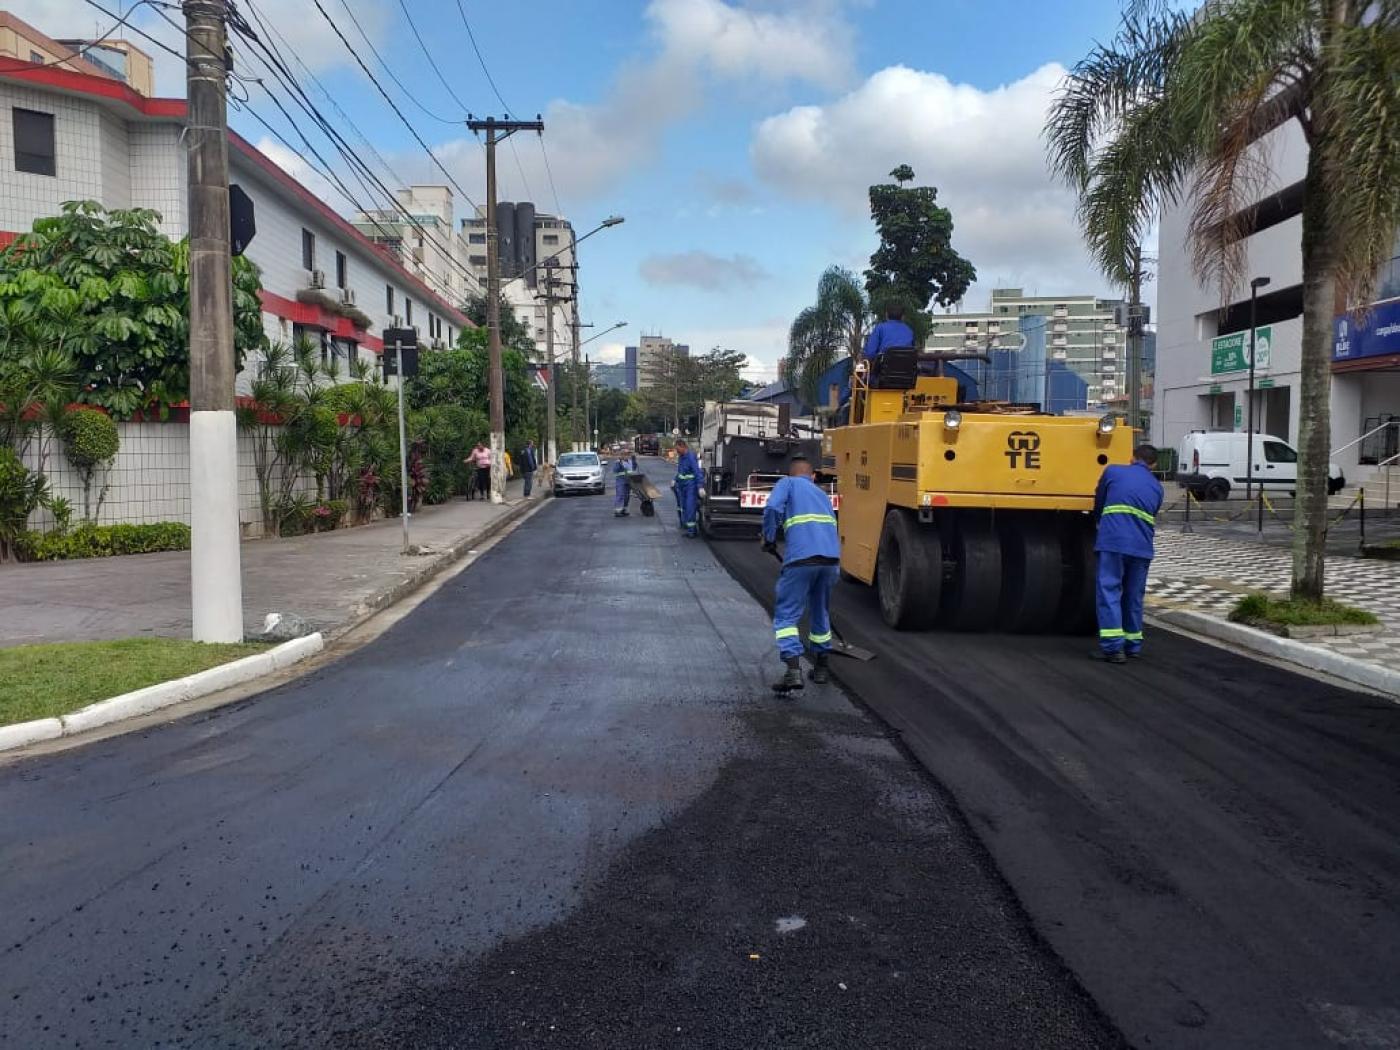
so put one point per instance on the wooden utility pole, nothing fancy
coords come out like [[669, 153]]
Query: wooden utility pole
[[496, 131], [1135, 326], [216, 584]]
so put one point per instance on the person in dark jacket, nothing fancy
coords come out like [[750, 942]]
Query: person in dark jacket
[[529, 463], [811, 566], [1126, 505]]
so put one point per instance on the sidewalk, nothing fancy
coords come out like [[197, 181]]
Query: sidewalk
[[1208, 574], [329, 578]]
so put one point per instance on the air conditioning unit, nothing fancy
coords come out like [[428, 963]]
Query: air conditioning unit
[[347, 296], [318, 278]]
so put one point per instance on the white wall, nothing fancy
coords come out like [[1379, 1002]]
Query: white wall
[[78, 157]]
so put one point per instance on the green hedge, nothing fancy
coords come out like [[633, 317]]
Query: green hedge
[[103, 541]]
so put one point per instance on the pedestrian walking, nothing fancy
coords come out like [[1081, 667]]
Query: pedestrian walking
[[1126, 505], [811, 567], [623, 466], [480, 461], [686, 485], [529, 463]]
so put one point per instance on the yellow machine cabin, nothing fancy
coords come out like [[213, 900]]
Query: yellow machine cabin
[[970, 516]]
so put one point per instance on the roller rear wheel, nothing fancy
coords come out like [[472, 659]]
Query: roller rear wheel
[[1032, 576], [971, 599], [908, 572], [1077, 613]]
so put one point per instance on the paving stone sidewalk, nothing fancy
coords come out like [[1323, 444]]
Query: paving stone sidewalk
[[1209, 574], [327, 578]]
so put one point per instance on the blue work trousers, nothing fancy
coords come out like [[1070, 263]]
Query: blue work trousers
[[1120, 588], [688, 505], [804, 588], [622, 492]]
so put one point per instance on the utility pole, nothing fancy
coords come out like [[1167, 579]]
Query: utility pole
[[587, 397], [575, 326], [496, 131], [551, 405], [1135, 341], [216, 583]]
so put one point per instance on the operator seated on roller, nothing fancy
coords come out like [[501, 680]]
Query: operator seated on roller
[[810, 570], [1126, 505], [892, 331]]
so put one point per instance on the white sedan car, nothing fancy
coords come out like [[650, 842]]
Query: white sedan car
[[578, 472]]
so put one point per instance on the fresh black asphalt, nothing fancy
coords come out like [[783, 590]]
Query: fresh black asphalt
[[1210, 843], [554, 806]]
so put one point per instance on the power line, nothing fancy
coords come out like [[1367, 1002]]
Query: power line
[[412, 130], [79, 53], [375, 51], [558, 208], [480, 58], [428, 55]]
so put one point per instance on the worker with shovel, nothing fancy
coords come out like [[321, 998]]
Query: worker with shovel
[[810, 571]]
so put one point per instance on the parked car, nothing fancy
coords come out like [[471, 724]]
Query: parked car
[[578, 472], [1212, 465]]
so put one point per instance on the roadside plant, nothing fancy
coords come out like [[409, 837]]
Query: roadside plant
[[22, 491], [1178, 107], [90, 443]]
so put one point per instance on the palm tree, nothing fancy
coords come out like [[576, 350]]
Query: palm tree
[[823, 332], [1171, 110]]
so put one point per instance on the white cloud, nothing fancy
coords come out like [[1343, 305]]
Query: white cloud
[[611, 353], [765, 342], [982, 149], [703, 270], [298, 169], [594, 145]]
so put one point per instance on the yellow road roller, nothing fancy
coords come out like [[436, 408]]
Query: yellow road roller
[[970, 517]]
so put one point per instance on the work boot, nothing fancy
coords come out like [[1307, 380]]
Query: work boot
[[1112, 658], [791, 682], [820, 673]]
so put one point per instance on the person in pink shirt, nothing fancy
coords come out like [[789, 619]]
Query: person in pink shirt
[[480, 459]]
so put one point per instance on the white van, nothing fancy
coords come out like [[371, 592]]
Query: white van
[[1212, 465]]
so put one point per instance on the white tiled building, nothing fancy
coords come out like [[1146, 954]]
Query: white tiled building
[[92, 138], [1202, 377]]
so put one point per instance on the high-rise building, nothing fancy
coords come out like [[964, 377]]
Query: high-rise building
[[109, 58], [527, 240], [652, 351], [630, 360], [1083, 333], [428, 245]]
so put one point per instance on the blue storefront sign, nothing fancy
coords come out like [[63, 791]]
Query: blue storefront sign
[[1378, 337]]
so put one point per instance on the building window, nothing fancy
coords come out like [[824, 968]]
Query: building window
[[34, 142], [34, 56], [340, 269], [308, 250], [551, 238], [478, 260], [408, 311], [389, 299], [476, 238]]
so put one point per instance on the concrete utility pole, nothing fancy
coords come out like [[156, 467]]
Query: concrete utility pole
[[1135, 341], [496, 131], [551, 405], [216, 584], [575, 326]]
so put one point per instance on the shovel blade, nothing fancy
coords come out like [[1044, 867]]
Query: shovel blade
[[855, 652]]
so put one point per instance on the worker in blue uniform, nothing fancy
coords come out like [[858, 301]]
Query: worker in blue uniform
[[1126, 504], [623, 467], [892, 331], [811, 566], [686, 485]]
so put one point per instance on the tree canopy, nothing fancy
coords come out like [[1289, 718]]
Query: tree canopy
[[111, 292], [915, 263]]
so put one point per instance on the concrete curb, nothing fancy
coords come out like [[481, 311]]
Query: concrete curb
[[163, 694], [1314, 658], [432, 566]]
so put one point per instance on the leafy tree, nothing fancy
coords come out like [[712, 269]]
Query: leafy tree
[[915, 262], [515, 333], [112, 292], [834, 326], [1172, 110]]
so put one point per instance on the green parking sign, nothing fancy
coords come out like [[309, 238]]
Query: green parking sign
[[1230, 353], [1239, 416]]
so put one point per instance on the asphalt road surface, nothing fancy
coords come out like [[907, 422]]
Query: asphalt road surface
[[1211, 844], [555, 806]]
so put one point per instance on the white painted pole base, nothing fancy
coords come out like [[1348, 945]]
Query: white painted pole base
[[551, 452], [216, 581]]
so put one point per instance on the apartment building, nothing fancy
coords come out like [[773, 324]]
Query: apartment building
[[117, 59], [72, 135], [1084, 333], [422, 235], [1202, 352], [528, 241], [652, 351]]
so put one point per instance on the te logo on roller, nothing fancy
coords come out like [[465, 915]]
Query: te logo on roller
[[1023, 449]]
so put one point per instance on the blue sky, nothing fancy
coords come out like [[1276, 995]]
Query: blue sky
[[736, 136]]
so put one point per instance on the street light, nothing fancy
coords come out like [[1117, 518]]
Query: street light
[[553, 260], [1254, 286]]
